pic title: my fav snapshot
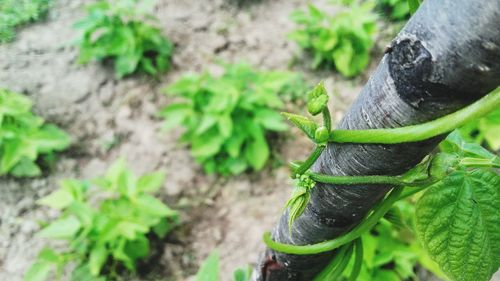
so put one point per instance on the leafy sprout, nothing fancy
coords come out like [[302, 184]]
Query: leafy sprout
[[125, 32], [24, 137], [343, 40], [106, 223], [227, 118], [14, 13]]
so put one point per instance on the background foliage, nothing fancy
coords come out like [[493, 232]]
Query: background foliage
[[343, 40], [106, 222], [227, 118], [14, 13], [24, 137], [124, 31]]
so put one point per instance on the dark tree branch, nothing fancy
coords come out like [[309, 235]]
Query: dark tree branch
[[446, 57]]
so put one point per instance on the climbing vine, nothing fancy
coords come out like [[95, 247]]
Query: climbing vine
[[457, 218]]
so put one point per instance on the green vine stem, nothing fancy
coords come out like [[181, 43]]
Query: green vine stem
[[327, 118], [304, 166], [358, 260], [335, 268], [354, 180], [367, 224], [423, 131]]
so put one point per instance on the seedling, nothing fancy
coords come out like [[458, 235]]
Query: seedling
[[107, 223]]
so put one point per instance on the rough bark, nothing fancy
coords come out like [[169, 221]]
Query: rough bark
[[446, 57]]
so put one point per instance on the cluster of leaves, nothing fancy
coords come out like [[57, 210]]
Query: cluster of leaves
[[390, 250], [108, 237], [14, 13], [485, 130], [343, 40], [396, 9], [209, 270], [227, 118], [458, 218], [125, 32], [24, 137]]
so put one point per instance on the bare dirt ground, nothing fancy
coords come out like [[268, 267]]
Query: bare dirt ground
[[108, 118]]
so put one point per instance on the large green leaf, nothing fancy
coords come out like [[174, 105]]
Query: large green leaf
[[58, 199], [209, 270], [39, 271], [151, 182], [458, 221], [64, 228], [257, 153], [97, 258]]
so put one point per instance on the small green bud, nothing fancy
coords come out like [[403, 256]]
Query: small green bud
[[321, 135], [317, 99]]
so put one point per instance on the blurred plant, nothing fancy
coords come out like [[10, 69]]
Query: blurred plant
[[101, 239], [396, 9], [227, 118], [24, 137], [343, 40], [391, 251], [485, 130], [14, 13], [124, 31], [210, 268]]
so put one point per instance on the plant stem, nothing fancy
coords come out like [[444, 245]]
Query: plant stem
[[378, 212], [351, 180], [327, 118], [334, 270], [423, 131], [358, 260], [309, 161]]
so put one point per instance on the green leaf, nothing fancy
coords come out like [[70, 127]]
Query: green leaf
[[459, 224], [151, 182], [175, 114], [82, 273], [26, 168], [97, 258], [209, 270], [414, 4], [138, 248], [151, 205], [305, 124], [166, 225], [39, 271], [64, 228], [489, 127], [50, 138], [58, 199], [126, 64], [342, 56], [257, 153], [208, 145], [270, 120], [243, 274]]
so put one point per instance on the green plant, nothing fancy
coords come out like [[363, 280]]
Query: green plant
[[457, 217], [14, 13], [107, 223], [395, 9], [209, 270], [484, 130], [124, 31], [227, 118], [343, 40], [390, 250], [24, 137]]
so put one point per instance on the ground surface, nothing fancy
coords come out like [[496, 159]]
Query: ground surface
[[108, 118]]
